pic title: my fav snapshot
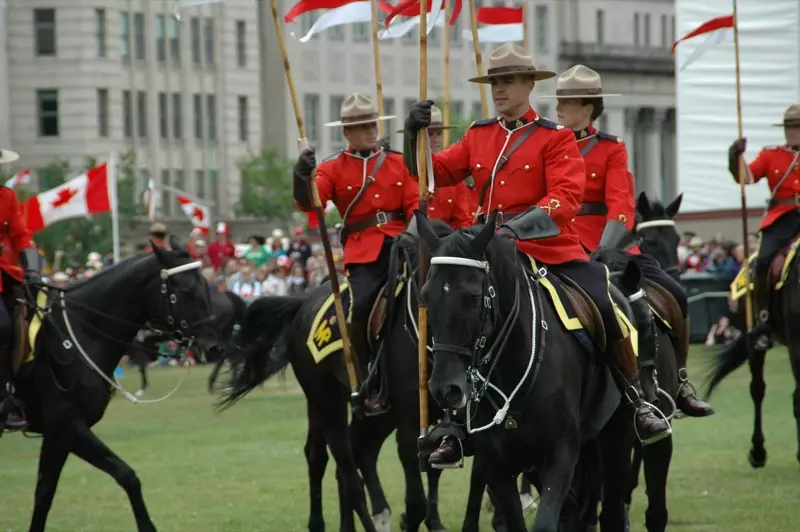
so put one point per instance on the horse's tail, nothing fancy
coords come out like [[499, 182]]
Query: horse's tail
[[262, 349], [726, 361]]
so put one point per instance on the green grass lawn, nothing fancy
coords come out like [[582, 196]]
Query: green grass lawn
[[244, 470]]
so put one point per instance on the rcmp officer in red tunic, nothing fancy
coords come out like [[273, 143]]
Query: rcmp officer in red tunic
[[608, 201], [780, 165], [19, 260], [375, 195], [448, 204], [530, 169]]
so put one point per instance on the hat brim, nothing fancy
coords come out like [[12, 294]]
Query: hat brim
[[8, 156], [359, 122], [535, 75], [571, 96], [791, 123]]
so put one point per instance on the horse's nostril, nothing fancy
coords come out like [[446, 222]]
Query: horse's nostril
[[453, 394]]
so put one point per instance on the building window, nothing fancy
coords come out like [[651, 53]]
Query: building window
[[177, 116], [311, 112], [198, 116], [178, 182], [47, 103], [211, 105], [337, 136], [336, 33], [243, 118], [673, 29], [388, 107], [138, 35], [195, 31], [174, 35], [163, 115], [540, 28], [647, 30], [600, 20], [209, 39], [127, 114], [361, 32], [456, 109], [141, 112], [476, 111], [200, 184], [166, 195], [455, 33], [44, 25], [100, 31], [636, 37], [161, 44], [102, 112], [125, 30], [241, 43]]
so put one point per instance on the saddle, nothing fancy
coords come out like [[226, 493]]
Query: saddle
[[585, 310], [665, 307], [777, 274]]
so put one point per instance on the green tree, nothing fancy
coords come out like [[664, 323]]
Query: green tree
[[266, 186], [79, 236]]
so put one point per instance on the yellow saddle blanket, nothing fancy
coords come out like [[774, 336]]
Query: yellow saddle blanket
[[778, 271]]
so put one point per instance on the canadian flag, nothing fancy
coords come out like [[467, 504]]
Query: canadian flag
[[197, 212], [22, 178], [500, 24], [81, 196]]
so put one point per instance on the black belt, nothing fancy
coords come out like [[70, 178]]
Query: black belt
[[591, 208], [376, 220], [776, 202], [502, 217]]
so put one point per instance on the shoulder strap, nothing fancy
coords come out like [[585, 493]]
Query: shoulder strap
[[609, 136], [589, 145], [367, 182], [504, 159]]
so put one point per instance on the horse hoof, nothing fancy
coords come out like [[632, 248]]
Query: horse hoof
[[435, 526], [757, 460], [383, 521]]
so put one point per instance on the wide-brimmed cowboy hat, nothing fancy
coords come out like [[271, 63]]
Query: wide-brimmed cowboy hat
[[791, 117], [437, 121], [158, 228], [579, 82], [512, 59], [8, 156], [358, 109]]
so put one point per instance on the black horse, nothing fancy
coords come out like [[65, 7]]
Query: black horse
[[274, 335], [496, 337], [84, 333]]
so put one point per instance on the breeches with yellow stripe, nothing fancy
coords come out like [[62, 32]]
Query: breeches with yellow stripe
[[593, 278]]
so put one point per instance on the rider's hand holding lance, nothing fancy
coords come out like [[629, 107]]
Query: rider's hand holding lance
[[738, 147], [302, 175]]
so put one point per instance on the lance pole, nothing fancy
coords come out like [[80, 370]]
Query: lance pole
[[743, 174], [376, 59], [476, 45], [320, 210], [525, 35], [446, 100]]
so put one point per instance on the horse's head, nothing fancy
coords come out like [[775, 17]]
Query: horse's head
[[461, 302], [656, 229], [179, 301]]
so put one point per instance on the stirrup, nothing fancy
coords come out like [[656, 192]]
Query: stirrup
[[656, 437], [455, 465]]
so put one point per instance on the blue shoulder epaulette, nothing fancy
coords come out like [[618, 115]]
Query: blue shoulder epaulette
[[609, 136], [549, 124], [485, 122]]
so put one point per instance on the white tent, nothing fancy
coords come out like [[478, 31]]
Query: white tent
[[769, 40]]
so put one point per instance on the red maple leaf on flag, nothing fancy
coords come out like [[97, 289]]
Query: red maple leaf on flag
[[198, 214], [64, 196]]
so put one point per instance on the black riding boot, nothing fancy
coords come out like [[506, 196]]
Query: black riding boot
[[647, 346], [371, 400], [10, 407], [649, 426], [759, 336]]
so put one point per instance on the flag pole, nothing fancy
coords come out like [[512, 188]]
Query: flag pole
[[111, 172], [376, 60], [476, 45], [341, 320], [446, 101], [743, 174], [422, 171]]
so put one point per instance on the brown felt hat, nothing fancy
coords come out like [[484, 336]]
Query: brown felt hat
[[579, 82], [791, 117], [358, 109], [511, 59]]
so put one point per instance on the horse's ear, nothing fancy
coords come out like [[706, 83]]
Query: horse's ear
[[631, 277], [643, 205], [426, 232], [673, 208], [174, 244], [482, 239]]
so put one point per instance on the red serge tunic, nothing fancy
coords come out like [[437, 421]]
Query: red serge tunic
[[14, 235], [449, 204], [393, 189], [547, 170], [608, 182], [775, 162]]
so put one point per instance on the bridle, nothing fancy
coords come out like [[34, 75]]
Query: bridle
[[675, 268]]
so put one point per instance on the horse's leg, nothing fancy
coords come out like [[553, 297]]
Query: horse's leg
[[366, 437], [657, 459], [556, 475], [794, 358], [432, 520], [503, 486], [636, 466], [317, 458], [477, 485], [616, 440], [758, 453], [416, 504], [89, 448], [143, 377], [52, 457]]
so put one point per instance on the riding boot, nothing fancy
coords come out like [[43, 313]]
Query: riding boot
[[10, 406], [371, 400], [647, 347], [649, 426], [447, 455], [759, 336], [687, 400]]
